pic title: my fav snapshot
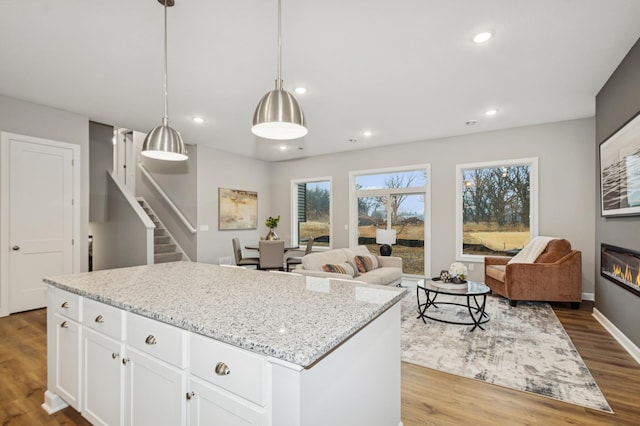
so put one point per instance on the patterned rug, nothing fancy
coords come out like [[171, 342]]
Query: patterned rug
[[524, 348]]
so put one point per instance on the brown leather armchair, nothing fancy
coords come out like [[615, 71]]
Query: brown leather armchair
[[555, 276]]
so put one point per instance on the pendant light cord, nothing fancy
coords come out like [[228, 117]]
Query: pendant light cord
[[279, 80], [165, 120]]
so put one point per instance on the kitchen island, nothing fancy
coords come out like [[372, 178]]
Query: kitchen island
[[190, 343]]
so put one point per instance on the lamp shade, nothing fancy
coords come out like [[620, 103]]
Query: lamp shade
[[385, 236], [279, 116], [164, 143]]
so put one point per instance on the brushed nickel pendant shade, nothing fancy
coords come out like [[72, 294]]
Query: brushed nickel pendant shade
[[164, 142], [278, 115]]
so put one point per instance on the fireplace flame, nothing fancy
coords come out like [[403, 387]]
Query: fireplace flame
[[626, 275]]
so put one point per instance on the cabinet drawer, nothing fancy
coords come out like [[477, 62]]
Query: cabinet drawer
[[103, 318], [156, 338], [67, 304], [246, 376]]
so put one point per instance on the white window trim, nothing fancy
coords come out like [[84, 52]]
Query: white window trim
[[426, 190], [294, 208], [532, 162]]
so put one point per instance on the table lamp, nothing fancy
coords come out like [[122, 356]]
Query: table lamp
[[385, 237]]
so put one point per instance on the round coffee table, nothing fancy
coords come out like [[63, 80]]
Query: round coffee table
[[475, 294]]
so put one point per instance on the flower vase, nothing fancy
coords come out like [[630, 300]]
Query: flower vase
[[271, 235]]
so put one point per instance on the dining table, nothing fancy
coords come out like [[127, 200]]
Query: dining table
[[287, 247]]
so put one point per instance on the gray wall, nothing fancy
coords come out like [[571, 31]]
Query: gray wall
[[25, 118], [121, 240], [616, 103], [566, 200], [100, 161], [219, 169]]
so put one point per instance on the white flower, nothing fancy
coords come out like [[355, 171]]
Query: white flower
[[458, 269]]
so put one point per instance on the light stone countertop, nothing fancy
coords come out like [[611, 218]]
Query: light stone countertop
[[293, 318]]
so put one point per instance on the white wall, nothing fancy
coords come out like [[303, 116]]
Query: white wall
[[566, 176], [219, 169], [25, 118]]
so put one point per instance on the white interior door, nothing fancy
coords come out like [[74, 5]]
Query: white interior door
[[40, 218]]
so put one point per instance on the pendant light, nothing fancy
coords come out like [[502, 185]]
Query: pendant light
[[278, 114], [164, 142]]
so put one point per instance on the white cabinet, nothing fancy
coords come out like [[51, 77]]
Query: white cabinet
[[103, 379], [103, 373], [226, 386], [65, 330], [155, 391], [210, 405]]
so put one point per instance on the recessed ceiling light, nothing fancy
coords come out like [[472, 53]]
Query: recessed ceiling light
[[491, 112], [283, 147], [470, 122], [198, 120], [482, 37], [300, 90], [367, 133]]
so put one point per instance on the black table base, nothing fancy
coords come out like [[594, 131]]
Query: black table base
[[475, 308]]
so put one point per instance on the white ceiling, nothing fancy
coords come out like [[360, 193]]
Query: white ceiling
[[406, 70]]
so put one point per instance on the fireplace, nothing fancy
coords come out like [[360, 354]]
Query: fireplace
[[622, 266]]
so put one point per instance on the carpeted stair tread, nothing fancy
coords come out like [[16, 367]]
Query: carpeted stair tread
[[164, 248], [166, 257], [165, 239]]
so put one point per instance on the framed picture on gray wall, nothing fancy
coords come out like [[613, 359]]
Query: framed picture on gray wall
[[237, 209], [620, 171]]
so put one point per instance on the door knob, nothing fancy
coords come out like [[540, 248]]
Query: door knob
[[15, 248]]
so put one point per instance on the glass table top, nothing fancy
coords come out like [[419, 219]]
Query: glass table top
[[470, 288]]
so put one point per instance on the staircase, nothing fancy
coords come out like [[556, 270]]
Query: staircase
[[165, 248]]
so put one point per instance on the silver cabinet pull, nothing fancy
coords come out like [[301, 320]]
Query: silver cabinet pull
[[115, 355], [190, 395], [15, 248], [64, 324], [151, 340], [65, 305], [100, 319], [125, 361], [222, 369]]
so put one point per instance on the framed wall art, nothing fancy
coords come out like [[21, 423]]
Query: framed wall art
[[620, 171], [237, 209]]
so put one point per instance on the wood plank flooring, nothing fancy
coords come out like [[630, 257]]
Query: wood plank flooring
[[429, 397]]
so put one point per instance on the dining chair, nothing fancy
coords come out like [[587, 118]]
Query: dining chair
[[297, 260], [271, 254], [243, 261]]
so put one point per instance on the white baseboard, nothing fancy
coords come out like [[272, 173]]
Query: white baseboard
[[588, 296], [627, 344]]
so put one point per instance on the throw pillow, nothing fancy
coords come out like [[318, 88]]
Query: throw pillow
[[366, 263], [342, 268]]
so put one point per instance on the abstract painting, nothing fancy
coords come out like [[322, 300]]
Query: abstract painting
[[620, 171], [237, 209]]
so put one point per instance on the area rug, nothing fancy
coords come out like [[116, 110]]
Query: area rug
[[524, 348]]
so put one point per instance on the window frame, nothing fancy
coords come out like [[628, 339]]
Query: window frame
[[532, 162], [295, 238], [354, 194]]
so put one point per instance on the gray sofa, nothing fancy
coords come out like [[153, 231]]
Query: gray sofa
[[389, 271]]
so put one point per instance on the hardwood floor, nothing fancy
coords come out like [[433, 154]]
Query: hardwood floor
[[429, 397]]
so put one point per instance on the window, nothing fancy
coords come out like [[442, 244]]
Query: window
[[496, 207], [312, 212], [392, 199]]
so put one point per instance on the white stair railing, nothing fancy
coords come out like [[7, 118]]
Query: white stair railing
[[168, 200]]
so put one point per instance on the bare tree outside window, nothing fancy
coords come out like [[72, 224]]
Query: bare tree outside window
[[496, 208], [394, 200]]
